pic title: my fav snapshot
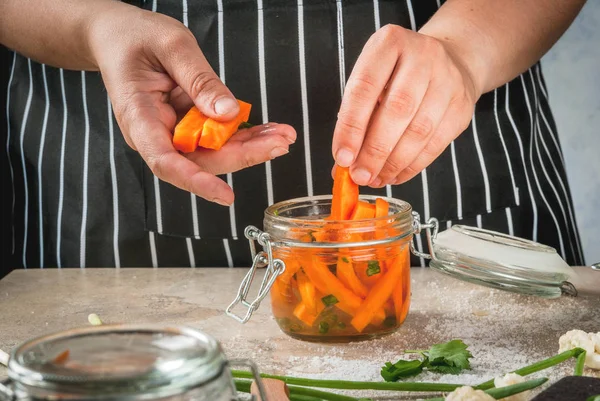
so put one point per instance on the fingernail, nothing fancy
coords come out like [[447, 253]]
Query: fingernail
[[377, 182], [344, 157], [266, 131], [221, 202], [225, 105], [361, 176], [278, 152]]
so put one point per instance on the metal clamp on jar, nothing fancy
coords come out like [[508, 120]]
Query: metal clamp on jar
[[125, 363], [358, 271]]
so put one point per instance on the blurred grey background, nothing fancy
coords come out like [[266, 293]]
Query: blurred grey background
[[572, 72]]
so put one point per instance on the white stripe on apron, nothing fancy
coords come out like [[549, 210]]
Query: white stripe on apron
[[114, 182], [86, 150], [535, 176], [303, 91], [22, 141], [263, 92], [61, 186], [40, 164]]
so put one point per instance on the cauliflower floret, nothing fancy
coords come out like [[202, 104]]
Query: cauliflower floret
[[466, 393], [508, 380], [590, 342]]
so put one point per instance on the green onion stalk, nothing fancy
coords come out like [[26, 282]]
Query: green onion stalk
[[353, 385], [503, 392], [541, 365]]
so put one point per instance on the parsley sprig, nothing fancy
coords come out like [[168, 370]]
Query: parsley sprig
[[448, 358]]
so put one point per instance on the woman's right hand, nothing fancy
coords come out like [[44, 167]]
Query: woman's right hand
[[154, 71]]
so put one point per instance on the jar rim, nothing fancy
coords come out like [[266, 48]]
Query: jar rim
[[190, 358], [307, 214], [404, 210]]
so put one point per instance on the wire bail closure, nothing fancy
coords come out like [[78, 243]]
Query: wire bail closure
[[431, 229], [262, 259]]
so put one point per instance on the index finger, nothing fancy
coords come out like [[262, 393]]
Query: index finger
[[369, 77]]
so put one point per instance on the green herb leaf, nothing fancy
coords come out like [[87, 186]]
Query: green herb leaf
[[329, 300], [373, 268], [323, 327], [401, 369], [345, 260], [447, 358], [245, 125], [451, 354], [443, 369]]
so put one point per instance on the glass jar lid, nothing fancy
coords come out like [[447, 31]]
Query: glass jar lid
[[498, 260], [120, 362]]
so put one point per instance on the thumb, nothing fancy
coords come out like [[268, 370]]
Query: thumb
[[189, 68]]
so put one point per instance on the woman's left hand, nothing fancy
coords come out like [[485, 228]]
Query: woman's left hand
[[409, 95]]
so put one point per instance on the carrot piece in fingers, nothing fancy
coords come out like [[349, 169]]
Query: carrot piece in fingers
[[216, 133], [345, 194], [188, 131]]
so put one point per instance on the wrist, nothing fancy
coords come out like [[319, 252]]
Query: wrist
[[104, 26], [468, 55]]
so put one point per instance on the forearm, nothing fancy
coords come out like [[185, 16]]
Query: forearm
[[53, 32], [498, 40]]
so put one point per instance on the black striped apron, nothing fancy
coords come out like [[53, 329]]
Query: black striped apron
[[79, 196]]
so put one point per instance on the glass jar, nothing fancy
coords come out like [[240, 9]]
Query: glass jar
[[334, 281], [125, 362]]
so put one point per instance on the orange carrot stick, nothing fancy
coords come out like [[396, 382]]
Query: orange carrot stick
[[327, 283], [401, 291], [188, 131], [216, 133], [363, 210], [345, 194], [345, 272], [307, 292], [379, 294], [62, 357]]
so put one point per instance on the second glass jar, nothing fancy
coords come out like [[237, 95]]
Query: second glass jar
[[344, 280]]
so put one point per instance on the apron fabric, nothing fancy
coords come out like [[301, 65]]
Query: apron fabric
[[81, 197]]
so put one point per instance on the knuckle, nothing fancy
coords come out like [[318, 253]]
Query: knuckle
[[421, 127], [362, 87], [411, 171], [377, 149], [202, 82], [400, 103], [351, 127], [388, 33], [176, 39], [157, 164], [390, 169]]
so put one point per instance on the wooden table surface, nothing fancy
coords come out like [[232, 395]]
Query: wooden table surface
[[504, 331]]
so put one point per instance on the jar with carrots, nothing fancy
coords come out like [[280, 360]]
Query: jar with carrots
[[346, 264]]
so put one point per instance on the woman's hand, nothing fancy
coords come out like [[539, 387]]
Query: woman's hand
[[153, 69], [409, 95]]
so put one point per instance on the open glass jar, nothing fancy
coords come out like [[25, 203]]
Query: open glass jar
[[125, 362], [343, 280]]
